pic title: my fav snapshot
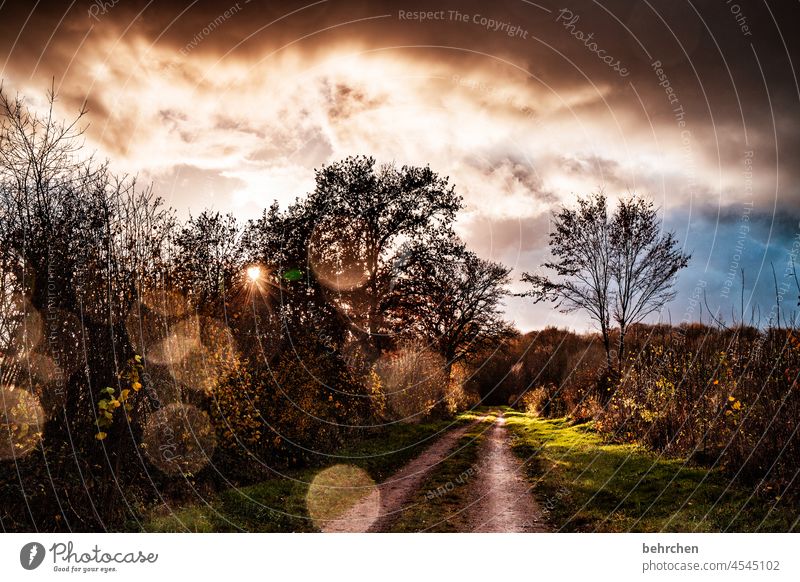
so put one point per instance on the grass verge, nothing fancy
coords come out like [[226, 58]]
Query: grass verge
[[584, 484]]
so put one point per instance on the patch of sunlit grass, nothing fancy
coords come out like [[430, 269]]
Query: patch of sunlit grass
[[624, 487], [193, 519]]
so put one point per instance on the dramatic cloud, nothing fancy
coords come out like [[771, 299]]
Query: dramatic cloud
[[523, 105]]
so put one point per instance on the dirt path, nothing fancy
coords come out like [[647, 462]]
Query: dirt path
[[501, 496], [376, 511]]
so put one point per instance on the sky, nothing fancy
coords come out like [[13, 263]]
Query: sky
[[523, 105]]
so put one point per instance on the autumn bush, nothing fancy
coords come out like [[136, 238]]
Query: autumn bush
[[552, 372], [533, 400], [458, 396], [287, 411], [724, 398]]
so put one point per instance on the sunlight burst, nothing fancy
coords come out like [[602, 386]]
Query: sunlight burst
[[254, 273]]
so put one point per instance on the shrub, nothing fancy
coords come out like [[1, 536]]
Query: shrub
[[414, 382], [533, 401], [304, 402]]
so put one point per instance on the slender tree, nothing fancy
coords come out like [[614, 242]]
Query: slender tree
[[644, 263], [581, 249], [624, 267]]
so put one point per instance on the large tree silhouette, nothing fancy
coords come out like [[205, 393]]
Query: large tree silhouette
[[453, 299], [359, 223]]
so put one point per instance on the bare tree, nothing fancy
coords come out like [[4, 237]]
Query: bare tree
[[581, 249], [644, 264], [76, 244], [623, 268]]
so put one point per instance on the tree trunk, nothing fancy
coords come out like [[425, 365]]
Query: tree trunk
[[441, 407], [448, 370], [607, 346]]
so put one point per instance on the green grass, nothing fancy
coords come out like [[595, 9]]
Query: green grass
[[585, 484], [279, 504], [435, 507]]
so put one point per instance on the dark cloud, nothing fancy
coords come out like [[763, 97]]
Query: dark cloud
[[726, 241], [345, 101]]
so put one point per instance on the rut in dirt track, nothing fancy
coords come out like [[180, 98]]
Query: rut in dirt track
[[499, 498], [500, 495]]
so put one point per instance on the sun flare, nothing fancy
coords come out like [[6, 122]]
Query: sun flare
[[254, 273]]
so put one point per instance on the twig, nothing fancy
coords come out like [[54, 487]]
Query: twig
[[718, 321], [777, 294]]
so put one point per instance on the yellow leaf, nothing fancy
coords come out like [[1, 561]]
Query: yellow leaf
[[100, 436]]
